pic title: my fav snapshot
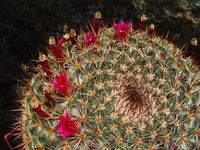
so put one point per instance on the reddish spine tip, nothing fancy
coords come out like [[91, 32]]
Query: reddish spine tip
[[40, 112], [72, 37], [46, 68], [96, 22], [49, 98], [45, 65], [151, 30], [141, 22], [139, 25]]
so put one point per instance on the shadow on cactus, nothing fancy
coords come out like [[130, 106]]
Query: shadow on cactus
[[120, 87]]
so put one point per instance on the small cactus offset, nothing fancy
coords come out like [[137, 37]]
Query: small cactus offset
[[120, 87]]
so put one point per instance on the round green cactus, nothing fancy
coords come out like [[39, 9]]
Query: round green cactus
[[121, 91]]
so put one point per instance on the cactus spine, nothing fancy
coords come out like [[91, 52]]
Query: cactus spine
[[128, 91]]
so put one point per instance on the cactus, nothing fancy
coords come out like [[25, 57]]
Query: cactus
[[114, 87]]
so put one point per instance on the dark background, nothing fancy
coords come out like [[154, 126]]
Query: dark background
[[25, 26]]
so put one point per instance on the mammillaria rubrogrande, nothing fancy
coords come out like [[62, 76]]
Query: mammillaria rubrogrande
[[112, 88]]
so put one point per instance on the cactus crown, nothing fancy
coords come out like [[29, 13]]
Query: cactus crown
[[113, 88]]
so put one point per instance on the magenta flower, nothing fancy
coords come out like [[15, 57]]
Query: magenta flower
[[62, 84], [122, 29], [67, 126], [89, 39]]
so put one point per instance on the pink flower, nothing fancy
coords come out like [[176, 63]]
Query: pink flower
[[67, 126], [89, 39], [62, 84], [122, 29]]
